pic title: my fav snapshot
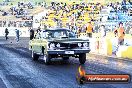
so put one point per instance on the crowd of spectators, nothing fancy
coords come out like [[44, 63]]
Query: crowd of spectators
[[76, 15], [19, 12], [72, 15], [125, 7]]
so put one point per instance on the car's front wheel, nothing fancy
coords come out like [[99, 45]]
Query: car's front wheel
[[82, 58], [35, 56], [46, 58]]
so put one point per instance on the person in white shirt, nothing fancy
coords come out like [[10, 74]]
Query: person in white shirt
[[103, 31], [131, 31]]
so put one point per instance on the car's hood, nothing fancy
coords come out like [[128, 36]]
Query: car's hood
[[69, 40]]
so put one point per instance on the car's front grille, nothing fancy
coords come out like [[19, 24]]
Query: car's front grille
[[68, 46], [63, 46]]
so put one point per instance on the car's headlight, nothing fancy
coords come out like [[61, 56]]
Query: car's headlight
[[52, 45], [79, 44], [58, 45], [85, 44]]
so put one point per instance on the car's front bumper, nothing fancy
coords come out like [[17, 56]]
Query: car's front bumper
[[68, 51]]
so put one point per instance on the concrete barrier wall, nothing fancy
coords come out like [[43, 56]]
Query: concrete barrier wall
[[107, 46], [124, 51], [101, 46]]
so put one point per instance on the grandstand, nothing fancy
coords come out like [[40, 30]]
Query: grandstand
[[92, 12]]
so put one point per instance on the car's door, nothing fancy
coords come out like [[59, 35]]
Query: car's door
[[44, 41], [36, 43]]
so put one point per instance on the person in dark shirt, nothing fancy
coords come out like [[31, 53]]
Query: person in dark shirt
[[4, 13], [6, 33], [31, 34], [17, 34]]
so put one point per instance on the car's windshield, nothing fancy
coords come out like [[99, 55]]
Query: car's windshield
[[57, 34]]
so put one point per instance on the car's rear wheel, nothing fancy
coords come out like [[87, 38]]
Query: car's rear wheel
[[46, 58], [35, 56], [82, 58]]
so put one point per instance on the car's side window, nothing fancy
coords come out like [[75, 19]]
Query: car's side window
[[50, 35], [56, 34], [44, 34], [60, 34], [71, 34]]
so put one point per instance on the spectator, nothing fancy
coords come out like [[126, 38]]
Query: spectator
[[6, 33], [89, 29], [21, 11], [31, 33], [103, 31], [38, 32], [131, 31], [4, 14], [79, 30], [39, 29], [17, 34], [124, 6], [120, 33], [115, 28], [30, 6]]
